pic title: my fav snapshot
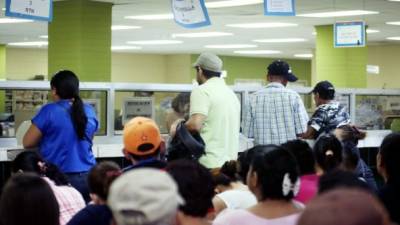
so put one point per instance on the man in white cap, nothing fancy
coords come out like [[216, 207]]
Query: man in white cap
[[144, 196], [214, 112]]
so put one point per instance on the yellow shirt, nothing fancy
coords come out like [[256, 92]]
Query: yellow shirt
[[221, 128]]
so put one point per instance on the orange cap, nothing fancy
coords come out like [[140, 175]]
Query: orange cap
[[141, 136]]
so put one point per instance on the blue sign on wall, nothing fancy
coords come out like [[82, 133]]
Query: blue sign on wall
[[190, 13], [279, 8], [349, 34], [30, 9]]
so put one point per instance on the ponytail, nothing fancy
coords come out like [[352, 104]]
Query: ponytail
[[66, 84], [79, 117], [328, 152]]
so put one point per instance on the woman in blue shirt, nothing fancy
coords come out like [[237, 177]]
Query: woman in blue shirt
[[63, 131]]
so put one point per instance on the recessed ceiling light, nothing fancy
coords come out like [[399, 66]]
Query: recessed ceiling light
[[155, 42], [231, 46], [305, 55], [280, 40], [3, 9], [11, 20], [29, 43], [261, 25], [151, 17], [202, 34], [393, 23], [257, 52], [231, 3], [339, 13], [116, 48], [371, 31], [394, 38], [44, 36], [123, 27]]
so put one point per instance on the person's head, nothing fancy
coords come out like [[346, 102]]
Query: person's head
[[274, 174], [244, 160], [31, 161], [207, 65], [345, 207], [279, 71], [144, 196], [349, 133], [230, 169], [100, 178], [323, 92], [351, 156], [302, 152], [142, 139], [65, 85], [195, 186], [221, 181], [328, 152], [181, 104], [388, 159], [28, 199], [340, 179]]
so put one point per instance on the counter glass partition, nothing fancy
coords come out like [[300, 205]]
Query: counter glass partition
[[376, 112]]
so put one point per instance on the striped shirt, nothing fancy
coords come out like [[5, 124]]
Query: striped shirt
[[274, 115]]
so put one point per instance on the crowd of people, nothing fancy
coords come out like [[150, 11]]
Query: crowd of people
[[282, 180]]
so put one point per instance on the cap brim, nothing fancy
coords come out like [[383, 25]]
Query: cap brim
[[291, 77]]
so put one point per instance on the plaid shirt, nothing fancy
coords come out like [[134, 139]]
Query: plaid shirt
[[274, 115], [69, 200]]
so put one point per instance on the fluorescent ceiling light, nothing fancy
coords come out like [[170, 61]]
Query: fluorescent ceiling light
[[257, 52], [231, 46], [44, 36], [314, 33], [125, 47], [231, 3], [11, 20], [261, 25], [202, 34], [394, 0], [29, 43], [393, 23], [394, 38], [151, 17], [123, 27], [306, 55], [339, 13], [280, 40], [3, 9], [371, 31], [155, 42]]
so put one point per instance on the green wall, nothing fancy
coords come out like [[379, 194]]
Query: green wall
[[344, 67], [80, 39], [2, 75], [256, 68]]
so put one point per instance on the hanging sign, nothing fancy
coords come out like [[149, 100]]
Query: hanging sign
[[349, 34], [190, 13], [279, 8], [30, 9]]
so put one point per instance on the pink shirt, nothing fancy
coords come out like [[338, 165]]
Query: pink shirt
[[69, 200], [244, 217], [308, 188]]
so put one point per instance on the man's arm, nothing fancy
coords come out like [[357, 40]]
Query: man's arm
[[309, 134], [195, 122]]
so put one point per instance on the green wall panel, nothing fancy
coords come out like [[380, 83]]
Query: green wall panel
[[2, 75], [80, 39], [344, 67]]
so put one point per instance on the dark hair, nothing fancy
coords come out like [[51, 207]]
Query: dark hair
[[66, 84], [221, 179], [209, 74], [326, 94], [340, 179], [328, 152], [390, 156], [351, 155], [28, 199], [28, 161], [230, 169], [302, 152], [271, 166], [181, 102], [101, 176], [244, 161], [195, 186], [144, 157], [351, 133]]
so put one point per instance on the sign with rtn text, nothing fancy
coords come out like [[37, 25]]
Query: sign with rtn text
[[30, 9]]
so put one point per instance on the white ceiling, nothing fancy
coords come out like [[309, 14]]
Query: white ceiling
[[154, 30]]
